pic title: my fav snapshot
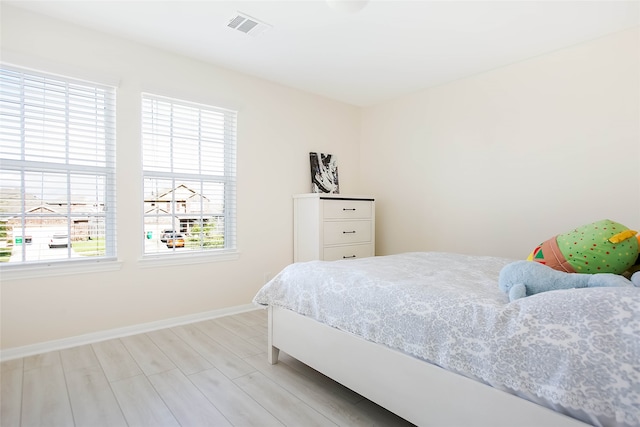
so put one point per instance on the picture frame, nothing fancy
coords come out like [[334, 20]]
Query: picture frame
[[324, 173]]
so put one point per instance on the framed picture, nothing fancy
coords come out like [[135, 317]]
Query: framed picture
[[324, 173]]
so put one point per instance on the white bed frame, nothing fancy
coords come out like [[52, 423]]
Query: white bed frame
[[417, 391]]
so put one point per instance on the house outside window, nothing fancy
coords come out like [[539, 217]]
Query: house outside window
[[57, 169], [189, 174]]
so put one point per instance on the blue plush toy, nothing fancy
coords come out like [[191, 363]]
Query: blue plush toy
[[523, 278]]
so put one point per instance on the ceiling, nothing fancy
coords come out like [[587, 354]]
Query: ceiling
[[387, 49]]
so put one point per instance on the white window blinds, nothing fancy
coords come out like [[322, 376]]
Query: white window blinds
[[57, 168], [189, 168]]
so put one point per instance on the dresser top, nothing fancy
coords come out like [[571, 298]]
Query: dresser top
[[332, 196]]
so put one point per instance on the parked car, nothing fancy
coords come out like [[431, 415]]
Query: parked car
[[165, 234], [59, 241], [175, 240]]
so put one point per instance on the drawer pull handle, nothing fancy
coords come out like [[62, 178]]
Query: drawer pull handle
[[349, 232], [351, 256], [348, 209]]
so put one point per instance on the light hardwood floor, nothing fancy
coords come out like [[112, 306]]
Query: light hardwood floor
[[210, 373]]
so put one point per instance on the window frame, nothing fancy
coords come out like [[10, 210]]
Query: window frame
[[103, 169], [228, 180]]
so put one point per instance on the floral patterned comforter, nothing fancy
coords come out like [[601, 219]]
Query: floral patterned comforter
[[576, 351]]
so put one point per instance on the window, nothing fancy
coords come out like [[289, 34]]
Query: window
[[57, 169], [189, 171]]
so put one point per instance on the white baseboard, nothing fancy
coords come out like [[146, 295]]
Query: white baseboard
[[44, 347]]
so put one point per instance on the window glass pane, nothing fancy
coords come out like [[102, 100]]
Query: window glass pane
[[87, 194], [46, 189], [10, 194], [88, 236]]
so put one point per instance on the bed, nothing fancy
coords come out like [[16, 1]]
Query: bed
[[429, 336]]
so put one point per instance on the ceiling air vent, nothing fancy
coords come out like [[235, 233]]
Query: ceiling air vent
[[248, 25]]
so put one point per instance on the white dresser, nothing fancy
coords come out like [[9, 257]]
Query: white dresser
[[333, 226]]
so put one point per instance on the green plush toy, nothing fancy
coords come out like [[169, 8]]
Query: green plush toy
[[601, 247]]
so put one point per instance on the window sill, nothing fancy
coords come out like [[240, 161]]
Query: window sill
[[153, 261], [63, 268]]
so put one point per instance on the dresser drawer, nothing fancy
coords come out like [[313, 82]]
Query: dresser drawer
[[346, 232], [348, 252], [347, 209]]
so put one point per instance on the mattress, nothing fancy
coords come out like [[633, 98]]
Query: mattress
[[576, 351]]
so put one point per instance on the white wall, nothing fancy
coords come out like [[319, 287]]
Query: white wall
[[496, 163], [277, 127], [491, 164]]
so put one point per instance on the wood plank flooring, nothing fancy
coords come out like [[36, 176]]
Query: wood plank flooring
[[210, 373]]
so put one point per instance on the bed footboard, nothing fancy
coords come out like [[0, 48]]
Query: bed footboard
[[422, 393]]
